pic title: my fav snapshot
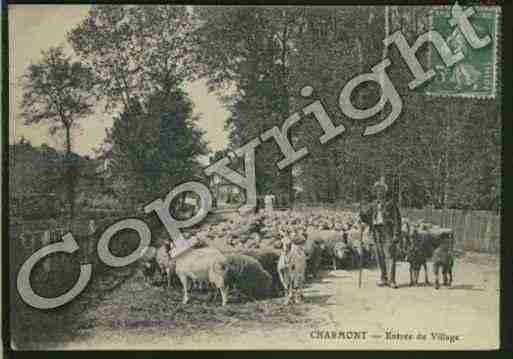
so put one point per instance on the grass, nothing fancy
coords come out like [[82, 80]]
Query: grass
[[121, 300]]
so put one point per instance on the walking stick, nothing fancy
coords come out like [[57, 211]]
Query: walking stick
[[361, 256]]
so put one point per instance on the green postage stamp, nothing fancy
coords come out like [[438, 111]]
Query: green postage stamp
[[476, 75]]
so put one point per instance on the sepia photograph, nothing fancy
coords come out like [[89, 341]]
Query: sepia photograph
[[253, 177]]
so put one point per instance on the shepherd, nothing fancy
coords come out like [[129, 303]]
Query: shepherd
[[384, 221]]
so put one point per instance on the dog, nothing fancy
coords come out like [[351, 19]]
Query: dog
[[443, 259], [416, 256]]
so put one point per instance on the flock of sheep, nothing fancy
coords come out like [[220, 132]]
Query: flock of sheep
[[275, 253]]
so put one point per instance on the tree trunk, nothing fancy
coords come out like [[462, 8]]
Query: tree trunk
[[288, 181], [70, 190], [400, 194], [286, 109], [446, 157]]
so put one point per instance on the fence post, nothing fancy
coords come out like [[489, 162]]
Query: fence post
[[483, 228], [487, 236], [466, 225], [494, 233]]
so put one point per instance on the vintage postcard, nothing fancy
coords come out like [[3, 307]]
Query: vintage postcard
[[254, 177]]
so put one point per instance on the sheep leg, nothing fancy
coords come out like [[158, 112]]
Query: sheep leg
[[357, 259], [411, 275], [290, 296], [185, 284], [284, 279], [213, 296], [168, 277], [317, 268], [436, 268], [426, 276], [299, 295], [393, 283], [224, 295], [444, 273], [295, 296], [334, 263], [162, 275]]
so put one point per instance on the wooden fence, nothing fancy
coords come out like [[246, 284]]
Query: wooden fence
[[473, 230], [57, 272]]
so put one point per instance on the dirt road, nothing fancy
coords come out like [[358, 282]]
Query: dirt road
[[135, 316]]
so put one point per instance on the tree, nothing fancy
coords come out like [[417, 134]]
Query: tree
[[141, 56], [59, 91], [134, 50], [249, 48], [331, 46], [434, 152], [153, 152]]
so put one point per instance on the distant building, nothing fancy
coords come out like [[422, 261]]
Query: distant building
[[224, 192]]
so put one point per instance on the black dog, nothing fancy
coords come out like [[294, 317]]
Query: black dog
[[417, 257], [442, 258]]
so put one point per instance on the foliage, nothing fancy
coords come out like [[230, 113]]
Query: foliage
[[141, 56], [249, 48], [443, 152], [134, 50], [153, 152], [59, 91]]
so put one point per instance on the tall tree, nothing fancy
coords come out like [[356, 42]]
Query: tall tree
[[248, 48], [332, 46], [153, 152], [135, 50], [59, 91], [141, 55]]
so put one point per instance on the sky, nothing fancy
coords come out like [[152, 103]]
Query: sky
[[34, 28]]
